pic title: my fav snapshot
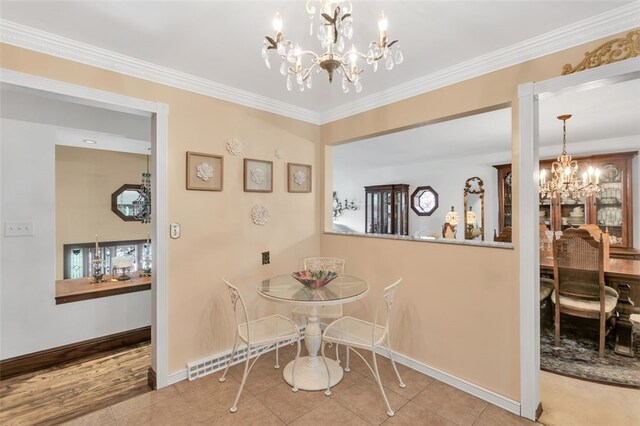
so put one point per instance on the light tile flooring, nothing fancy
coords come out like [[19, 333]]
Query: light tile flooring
[[573, 402], [268, 400]]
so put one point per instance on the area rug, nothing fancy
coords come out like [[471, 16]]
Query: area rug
[[578, 357]]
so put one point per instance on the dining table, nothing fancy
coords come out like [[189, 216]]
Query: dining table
[[310, 371], [616, 272]]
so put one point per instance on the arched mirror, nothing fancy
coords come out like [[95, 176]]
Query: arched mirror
[[474, 209], [122, 201]]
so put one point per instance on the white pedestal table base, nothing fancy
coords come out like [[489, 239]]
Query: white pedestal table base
[[312, 377]]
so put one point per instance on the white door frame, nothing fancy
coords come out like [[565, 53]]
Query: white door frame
[[529, 258], [159, 117]]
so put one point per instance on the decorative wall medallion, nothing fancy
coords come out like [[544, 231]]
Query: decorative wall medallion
[[257, 175], [234, 146], [260, 214], [299, 177], [204, 171], [279, 153]]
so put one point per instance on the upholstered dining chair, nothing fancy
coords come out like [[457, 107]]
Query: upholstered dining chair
[[356, 333], [579, 287], [504, 236], [263, 332], [325, 312]]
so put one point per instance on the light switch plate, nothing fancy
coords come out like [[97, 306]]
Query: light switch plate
[[174, 230], [18, 229]]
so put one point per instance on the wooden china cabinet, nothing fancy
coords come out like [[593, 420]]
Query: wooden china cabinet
[[387, 209], [611, 209]]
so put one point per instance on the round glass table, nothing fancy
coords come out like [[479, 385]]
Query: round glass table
[[311, 373]]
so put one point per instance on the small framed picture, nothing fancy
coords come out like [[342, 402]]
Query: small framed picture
[[258, 175], [299, 177], [204, 171]]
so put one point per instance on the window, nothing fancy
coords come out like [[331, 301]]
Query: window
[[79, 257]]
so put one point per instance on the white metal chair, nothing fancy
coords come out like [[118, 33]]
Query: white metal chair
[[263, 332], [356, 333]]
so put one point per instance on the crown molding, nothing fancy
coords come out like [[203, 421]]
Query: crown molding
[[33, 39], [615, 21], [612, 22]]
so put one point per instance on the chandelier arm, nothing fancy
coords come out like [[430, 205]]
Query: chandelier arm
[[350, 75], [311, 10]]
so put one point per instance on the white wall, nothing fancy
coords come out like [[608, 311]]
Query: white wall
[[30, 319], [446, 177]]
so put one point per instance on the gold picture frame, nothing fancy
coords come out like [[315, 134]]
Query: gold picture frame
[[205, 172], [258, 175], [299, 177]]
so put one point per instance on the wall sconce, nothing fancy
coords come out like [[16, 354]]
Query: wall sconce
[[339, 206]]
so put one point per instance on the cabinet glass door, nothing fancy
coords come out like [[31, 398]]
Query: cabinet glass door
[[545, 213], [386, 213], [609, 203], [507, 200], [573, 213]]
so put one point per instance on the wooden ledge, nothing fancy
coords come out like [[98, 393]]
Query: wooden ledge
[[78, 289]]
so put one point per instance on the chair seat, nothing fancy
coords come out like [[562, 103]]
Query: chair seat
[[269, 330], [354, 332], [330, 311], [546, 287], [588, 308]]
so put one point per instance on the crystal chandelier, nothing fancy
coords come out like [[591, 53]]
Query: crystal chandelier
[[335, 25], [564, 179], [142, 206]]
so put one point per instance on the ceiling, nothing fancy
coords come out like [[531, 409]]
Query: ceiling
[[72, 123], [220, 41]]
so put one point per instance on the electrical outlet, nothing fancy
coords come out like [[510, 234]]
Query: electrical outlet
[[265, 258]]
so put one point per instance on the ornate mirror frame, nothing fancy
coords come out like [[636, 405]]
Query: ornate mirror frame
[[114, 201], [473, 186], [417, 195]]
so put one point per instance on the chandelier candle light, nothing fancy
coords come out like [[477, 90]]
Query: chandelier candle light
[[335, 25], [564, 178]]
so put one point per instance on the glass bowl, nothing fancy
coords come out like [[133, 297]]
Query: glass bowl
[[314, 279]]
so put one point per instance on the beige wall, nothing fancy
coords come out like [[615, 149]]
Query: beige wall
[[218, 236], [85, 180], [458, 307]]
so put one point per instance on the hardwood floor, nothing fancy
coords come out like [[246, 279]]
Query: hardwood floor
[[60, 393]]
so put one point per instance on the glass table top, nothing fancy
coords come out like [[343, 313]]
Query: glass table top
[[287, 289]]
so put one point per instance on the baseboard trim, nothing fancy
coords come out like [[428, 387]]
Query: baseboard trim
[[465, 386], [152, 380], [178, 376], [48, 358]]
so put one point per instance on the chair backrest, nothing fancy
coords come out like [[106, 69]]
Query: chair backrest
[[577, 232], [324, 264], [235, 295], [385, 304], [504, 236], [578, 266]]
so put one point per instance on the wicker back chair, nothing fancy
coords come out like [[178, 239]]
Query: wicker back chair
[[504, 236], [579, 289]]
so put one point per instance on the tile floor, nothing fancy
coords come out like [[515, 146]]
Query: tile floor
[[268, 400]]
